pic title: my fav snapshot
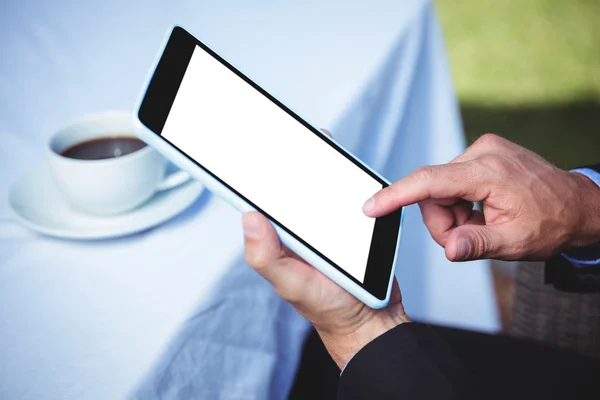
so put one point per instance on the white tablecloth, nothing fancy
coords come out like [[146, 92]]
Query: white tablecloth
[[173, 312]]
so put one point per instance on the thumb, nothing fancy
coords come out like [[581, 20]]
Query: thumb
[[474, 242], [262, 247], [267, 256]]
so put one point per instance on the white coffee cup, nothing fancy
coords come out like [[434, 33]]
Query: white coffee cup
[[110, 185]]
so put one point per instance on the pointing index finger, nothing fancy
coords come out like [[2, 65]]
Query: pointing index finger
[[463, 179]]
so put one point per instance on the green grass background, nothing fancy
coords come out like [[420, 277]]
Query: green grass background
[[529, 70]]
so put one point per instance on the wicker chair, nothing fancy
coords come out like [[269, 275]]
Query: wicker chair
[[546, 315]]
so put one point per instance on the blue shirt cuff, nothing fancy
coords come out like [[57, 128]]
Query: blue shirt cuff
[[590, 173], [589, 256]]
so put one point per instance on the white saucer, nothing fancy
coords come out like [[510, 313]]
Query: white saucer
[[39, 205]]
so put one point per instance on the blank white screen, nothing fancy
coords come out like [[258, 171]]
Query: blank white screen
[[274, 161]]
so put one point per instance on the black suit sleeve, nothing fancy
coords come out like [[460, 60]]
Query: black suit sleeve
[[410, 361]]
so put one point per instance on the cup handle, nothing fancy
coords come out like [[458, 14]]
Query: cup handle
[[173, 180]]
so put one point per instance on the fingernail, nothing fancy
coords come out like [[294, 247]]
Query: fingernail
[[369, 205], [463, 249], [251, 228]]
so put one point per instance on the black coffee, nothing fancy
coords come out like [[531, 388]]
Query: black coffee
[[99, 149]]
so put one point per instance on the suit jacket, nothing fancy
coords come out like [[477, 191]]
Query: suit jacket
[[416, 361]]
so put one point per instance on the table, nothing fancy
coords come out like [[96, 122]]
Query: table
[[174, 312]]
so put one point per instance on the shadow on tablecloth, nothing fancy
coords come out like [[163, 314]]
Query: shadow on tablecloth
[[243, 343]]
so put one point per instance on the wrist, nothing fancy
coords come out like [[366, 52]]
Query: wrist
[[343, 346], [588, 227]]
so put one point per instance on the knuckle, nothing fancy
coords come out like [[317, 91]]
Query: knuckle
[[494, 162], [423, 174], [388, 191], [490, 140], [481, 247], [293, 292], [254, 258]]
